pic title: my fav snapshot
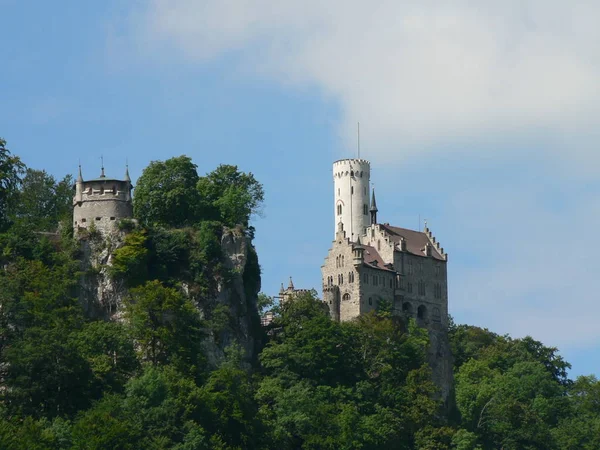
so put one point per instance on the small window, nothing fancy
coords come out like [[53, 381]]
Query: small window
[[83, 220], [365, 210], [346, 297], [112, 218], [370, 301], [351, 190], [339, 210], [338, 191], [365, 191], [98, 218]]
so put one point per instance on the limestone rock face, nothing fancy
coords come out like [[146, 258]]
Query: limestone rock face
[[441, 360], [100, 295], [238, 297], [234, 299]]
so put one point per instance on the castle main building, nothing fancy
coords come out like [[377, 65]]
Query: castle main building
[[370, 262]]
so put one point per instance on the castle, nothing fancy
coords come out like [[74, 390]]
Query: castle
[[371, 262], [101, 202]]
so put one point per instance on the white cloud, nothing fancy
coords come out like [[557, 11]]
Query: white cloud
[[415, 73], [433, 76]]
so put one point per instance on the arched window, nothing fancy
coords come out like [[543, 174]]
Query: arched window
[[342, 279], [339, 210], [422, 312], [337, 262], [407, 308], [346, 297], [342, 260]]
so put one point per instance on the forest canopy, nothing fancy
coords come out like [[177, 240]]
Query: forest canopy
[[71, 380]]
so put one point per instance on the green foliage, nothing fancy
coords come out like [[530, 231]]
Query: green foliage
[[130, 262], [43, 202], [166, 193], [11, 170], [230, 196], [68, 380], [165, 326]]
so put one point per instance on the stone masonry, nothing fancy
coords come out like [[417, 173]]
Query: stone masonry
[[101, 202], [377, 263]]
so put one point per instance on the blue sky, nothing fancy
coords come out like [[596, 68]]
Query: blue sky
[[484, 120]]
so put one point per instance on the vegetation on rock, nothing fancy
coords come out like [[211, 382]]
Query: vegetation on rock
[[70, 381]]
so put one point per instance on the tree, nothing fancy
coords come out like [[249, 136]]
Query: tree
[[230, 196], [165, 325], [11, 170], [42, 201], [166, 193]]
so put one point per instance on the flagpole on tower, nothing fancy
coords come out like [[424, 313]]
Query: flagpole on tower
[[358, 137]]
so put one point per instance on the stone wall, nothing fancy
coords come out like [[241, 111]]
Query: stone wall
[[101, 203], [351, 178]]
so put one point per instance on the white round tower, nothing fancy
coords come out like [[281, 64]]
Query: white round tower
[[351, 179]]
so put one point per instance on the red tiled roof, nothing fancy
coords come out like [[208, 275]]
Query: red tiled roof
[[415, 240]]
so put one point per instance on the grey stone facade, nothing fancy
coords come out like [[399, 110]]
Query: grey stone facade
[[101, 202], [405, 268]]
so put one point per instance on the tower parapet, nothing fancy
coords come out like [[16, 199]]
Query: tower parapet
[[351, 178], [102, 202]]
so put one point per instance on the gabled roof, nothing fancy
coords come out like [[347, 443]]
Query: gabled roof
[[374, 260], [415, 240]]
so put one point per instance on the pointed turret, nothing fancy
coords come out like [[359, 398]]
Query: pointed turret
[[127, 177], [291, 285], [373, 209], [78, 188]]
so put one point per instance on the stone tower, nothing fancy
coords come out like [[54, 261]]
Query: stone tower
[[101, 201], [351, 179], [372, 263]]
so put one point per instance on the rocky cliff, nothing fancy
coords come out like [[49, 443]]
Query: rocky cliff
[[230, 309]]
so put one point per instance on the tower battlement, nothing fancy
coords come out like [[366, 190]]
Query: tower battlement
[[351, 179], [102, 202]]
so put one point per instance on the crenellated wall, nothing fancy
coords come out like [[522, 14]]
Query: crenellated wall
[[101, 203], [351, 178]]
